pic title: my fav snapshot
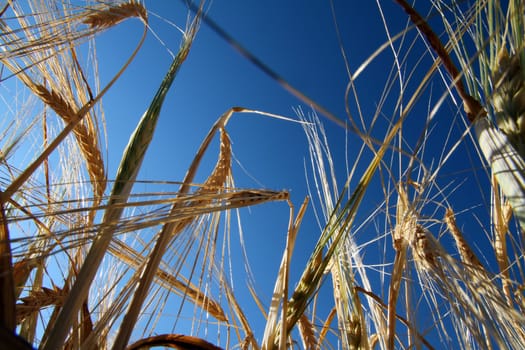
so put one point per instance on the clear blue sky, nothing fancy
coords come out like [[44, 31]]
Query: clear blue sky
[[297, 39]]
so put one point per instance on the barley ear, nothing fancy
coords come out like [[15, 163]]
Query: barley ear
[[333, 234], [509, 98], [467, 254], [307, 332], [403, 232], [29, 170], [86, 139], [502, 213], [176, 341], [113, 15], [37, 300]]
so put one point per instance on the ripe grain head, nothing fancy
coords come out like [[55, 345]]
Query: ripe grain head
[[112, 15]]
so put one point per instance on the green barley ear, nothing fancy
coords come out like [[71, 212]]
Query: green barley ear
[[509, 98]]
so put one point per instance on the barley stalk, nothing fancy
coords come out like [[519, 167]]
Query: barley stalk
[[147, 127], [325, 328], [173, 229], [275, 335], [7, 285], [472, 107], [506, 163], [375, 337]]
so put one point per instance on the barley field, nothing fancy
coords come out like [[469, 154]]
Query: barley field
[[389, 215]]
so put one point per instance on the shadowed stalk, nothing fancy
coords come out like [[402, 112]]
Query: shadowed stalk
[[7, 286]]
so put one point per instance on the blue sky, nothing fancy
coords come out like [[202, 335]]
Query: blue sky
[[297, 41]]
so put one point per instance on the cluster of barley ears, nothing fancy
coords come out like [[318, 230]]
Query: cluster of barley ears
[[86, 261]]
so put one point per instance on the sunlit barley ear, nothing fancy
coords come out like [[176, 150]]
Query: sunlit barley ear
[[113, 15], [509, 98], [85, 134], [403, 233], [174, 341], [467, 254], [307, 332], [424, 248], [502, 214], [37, 300]]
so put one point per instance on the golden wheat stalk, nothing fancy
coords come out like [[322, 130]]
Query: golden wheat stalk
[[376, 337], [325, 328]]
